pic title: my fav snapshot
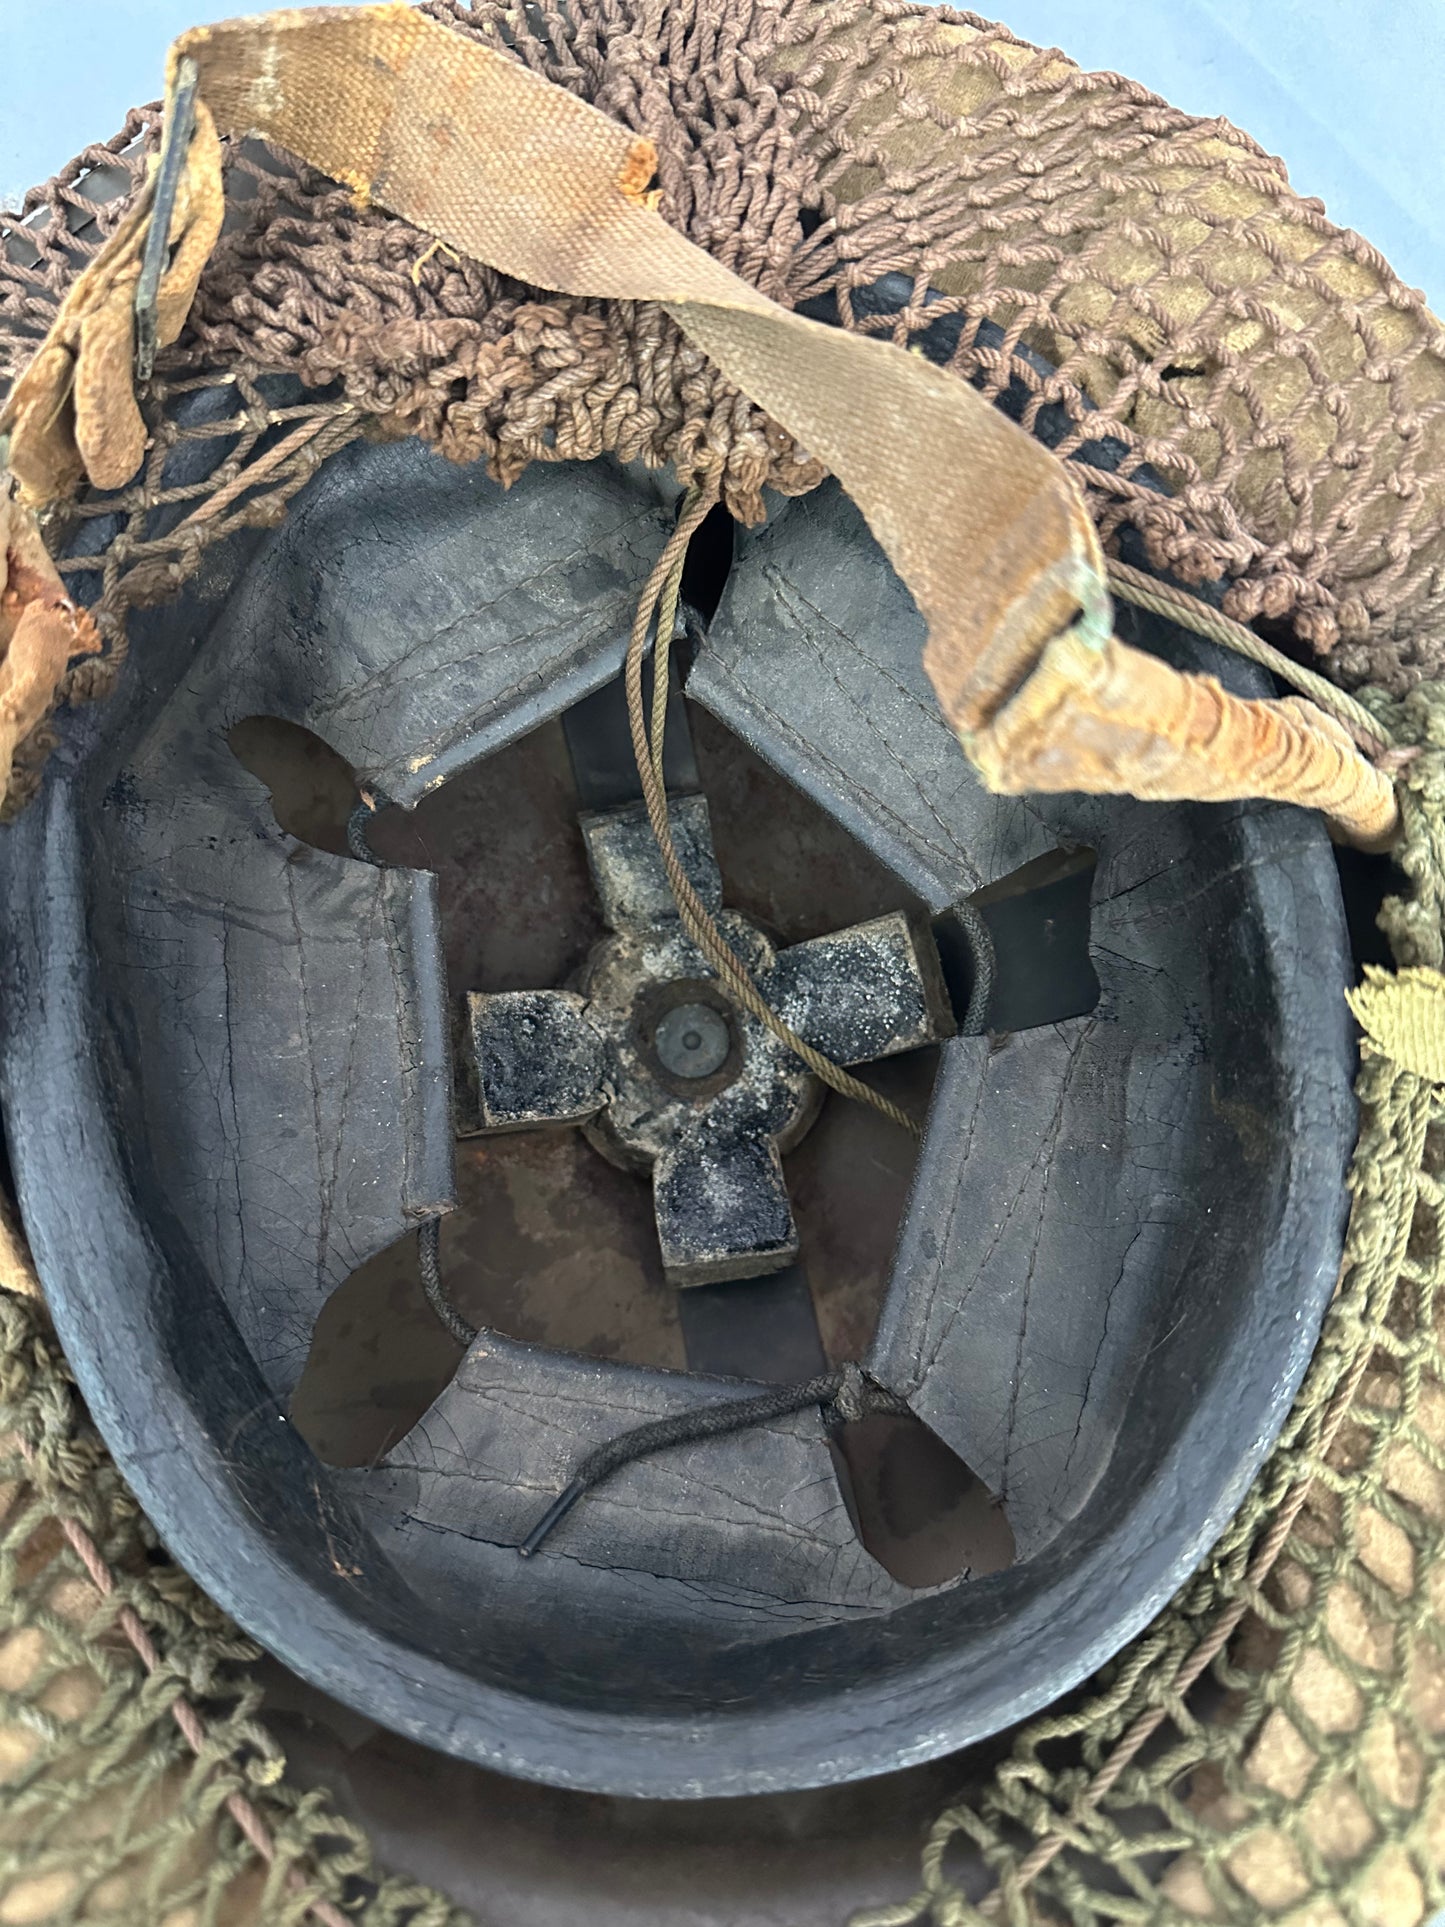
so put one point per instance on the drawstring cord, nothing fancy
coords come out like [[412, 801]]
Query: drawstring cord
[[845, 1394]]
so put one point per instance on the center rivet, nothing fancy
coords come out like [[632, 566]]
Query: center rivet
[[692, 1040]]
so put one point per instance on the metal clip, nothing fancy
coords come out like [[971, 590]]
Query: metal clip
[[180, 123]]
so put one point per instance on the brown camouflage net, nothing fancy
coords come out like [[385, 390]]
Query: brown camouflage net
[[1270, 367], [1272, 1747]]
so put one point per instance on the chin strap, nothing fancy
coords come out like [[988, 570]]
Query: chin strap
[[985, 526]]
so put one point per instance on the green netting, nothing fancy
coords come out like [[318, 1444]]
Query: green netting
[[108, 1810]]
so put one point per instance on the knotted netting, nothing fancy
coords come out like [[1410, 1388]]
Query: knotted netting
[[1248, 388]]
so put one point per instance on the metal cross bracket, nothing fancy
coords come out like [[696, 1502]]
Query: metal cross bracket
[[647, 1053]]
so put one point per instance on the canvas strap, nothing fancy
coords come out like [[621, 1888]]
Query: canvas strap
[[985, 526]]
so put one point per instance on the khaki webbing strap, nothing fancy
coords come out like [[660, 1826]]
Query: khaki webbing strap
[[983, 524]]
